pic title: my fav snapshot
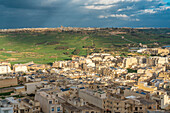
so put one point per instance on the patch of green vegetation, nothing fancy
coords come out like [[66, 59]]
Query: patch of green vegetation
[[17, 96], [46, 47], [6, 94], [2, 97], [6, 54], [132, 71]]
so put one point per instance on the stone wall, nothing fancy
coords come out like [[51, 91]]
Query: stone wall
[[8, 82]]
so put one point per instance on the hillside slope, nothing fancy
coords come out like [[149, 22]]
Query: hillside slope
[[48, 46]]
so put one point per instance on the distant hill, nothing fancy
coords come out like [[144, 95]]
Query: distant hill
[[45, 45]]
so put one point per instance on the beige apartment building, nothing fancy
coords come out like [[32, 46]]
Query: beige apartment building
[[93, 97], [20, 68], [130, 104], [5, 69], [49, 103]]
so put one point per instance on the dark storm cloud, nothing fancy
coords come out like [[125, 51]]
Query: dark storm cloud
[[84, 13], [34, 4]]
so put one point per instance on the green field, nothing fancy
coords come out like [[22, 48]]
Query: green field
[[46, 47]]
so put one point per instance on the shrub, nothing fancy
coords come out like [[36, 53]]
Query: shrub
[[52, 43], [66, 53], [76, 52], [132, 71]]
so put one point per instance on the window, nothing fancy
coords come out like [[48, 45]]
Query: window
[[22, 111], [25, 88], [50, 102], [87, 112], [58, 108], [136, 108], [52, 109], [92, 112], [15, 111], [140, 107]]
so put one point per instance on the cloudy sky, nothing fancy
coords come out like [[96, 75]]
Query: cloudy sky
[[84, 13]]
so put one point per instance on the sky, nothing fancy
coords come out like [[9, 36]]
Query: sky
[[84, 13]]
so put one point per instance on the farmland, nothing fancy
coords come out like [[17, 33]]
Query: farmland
[[48, 46]]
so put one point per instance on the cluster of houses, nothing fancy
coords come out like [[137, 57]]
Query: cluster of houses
[[98, 83], [163, 51], [6, 68]]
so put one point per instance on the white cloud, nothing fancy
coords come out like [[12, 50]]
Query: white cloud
[[113, 1], [162, 8], [119, 15], [127, 8], [114, 15], [167, 7], [99, 7], [102, 16], [104, 4], [148, 11]]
